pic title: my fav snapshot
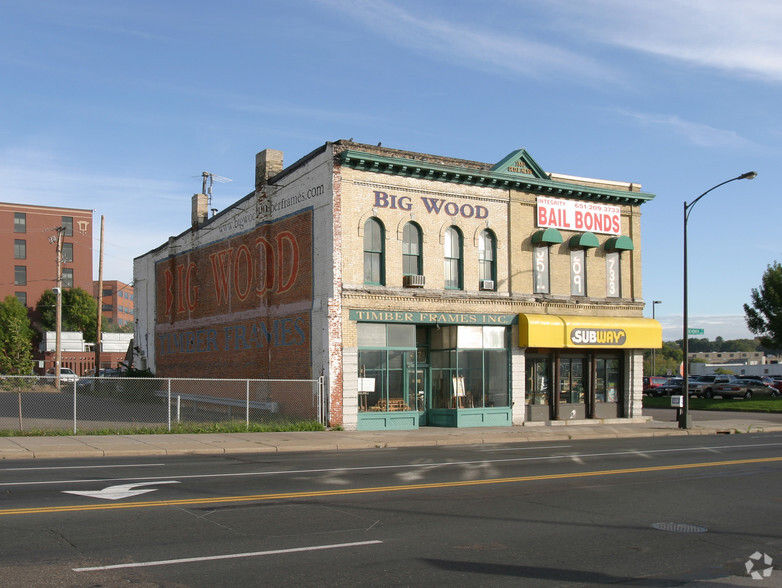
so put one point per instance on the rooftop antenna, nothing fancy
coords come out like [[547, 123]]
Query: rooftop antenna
[[208, 178]]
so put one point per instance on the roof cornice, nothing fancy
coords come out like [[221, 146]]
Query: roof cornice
[[412, 168]]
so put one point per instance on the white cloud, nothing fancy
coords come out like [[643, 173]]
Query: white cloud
[[728, 326], [740, 37], [696, 133], [470, 44]]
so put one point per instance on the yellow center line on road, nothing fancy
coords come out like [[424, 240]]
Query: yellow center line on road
[[349, 491]]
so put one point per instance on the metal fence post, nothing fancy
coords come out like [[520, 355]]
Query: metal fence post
[[321, 402], [247, 406], [74, 406], [169, 403]]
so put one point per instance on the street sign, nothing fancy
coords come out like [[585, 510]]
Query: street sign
[[695, 331]]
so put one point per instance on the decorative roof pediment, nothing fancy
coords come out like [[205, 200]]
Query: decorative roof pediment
[[501, 175], [520, 162]]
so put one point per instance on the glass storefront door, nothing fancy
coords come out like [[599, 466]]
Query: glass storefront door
[[538, 388]]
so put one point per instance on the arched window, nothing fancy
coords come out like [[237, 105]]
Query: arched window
[[411, 251], [374, 252], [453, 259], [487, 260]]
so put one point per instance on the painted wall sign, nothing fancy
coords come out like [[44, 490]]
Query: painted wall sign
[[576, 215], [442, 318], [242, 303], [430, 205], [593, 337]]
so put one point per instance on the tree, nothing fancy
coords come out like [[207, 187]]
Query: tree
[[79, 312], [16, 354], [764, 317]]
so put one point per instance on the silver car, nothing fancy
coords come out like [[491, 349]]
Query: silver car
[[743, 388]]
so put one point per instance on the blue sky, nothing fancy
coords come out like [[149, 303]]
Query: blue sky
[[119, 107]]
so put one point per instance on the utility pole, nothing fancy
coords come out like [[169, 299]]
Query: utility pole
[[100, 301], [58, 292]]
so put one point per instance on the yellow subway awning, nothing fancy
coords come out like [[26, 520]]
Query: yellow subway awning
[[573, 332]]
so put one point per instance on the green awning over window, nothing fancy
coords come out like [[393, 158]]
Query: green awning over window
[[584, 240], [550, 236], [619, 244]]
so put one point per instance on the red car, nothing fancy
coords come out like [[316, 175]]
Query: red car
[[652, 382]]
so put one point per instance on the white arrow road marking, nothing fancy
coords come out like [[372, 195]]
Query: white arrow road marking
[[120, 491]]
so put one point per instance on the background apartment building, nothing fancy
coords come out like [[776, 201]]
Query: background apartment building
[[29, 252], [116, 301]]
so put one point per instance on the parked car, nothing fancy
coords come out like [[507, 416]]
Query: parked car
[[671, 387], [703, 386], [66, 375], [765, 379], [651, 383], [743, 388]]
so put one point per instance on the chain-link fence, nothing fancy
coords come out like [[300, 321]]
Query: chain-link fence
[[34, 403]]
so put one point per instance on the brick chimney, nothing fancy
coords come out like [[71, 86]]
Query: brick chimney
[[268, 163], [200, 209]]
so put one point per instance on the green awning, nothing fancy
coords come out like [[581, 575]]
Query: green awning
[[584, 240], [550, 236], [622, 243]]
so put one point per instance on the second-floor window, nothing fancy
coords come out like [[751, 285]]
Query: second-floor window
[[411, 250], [453, 258], [67, 252], [374, 253], [487, 253], [613, 275], [578, 272], [541, 269]]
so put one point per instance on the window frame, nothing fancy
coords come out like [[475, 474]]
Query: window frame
[[450, 260], [407, 257], [375, 251], [20, 249], [487, 265], [20, 222]]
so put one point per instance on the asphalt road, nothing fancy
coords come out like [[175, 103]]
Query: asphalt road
[[667, 511]]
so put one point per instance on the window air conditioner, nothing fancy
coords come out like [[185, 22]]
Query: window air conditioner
[[413, 281], [487, 285]]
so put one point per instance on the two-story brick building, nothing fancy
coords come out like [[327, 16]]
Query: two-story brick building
[[426, 290]]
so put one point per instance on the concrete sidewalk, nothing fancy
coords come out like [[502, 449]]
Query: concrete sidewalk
[[227, 443]]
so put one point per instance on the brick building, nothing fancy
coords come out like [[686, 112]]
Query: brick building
[[28, 244], [116, 300], [426, 290]]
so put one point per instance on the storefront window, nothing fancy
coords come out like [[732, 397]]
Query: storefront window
[[609, 375], [473, 373], [384, 382], [538, 380], [571, 381]]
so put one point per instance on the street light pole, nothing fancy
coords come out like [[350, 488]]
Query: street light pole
[[684, 419], [654, 304]]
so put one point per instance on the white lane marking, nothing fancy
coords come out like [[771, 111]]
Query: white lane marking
[[401, 466], [525, 448], [120, 491], [85, 467], [168, 562]]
